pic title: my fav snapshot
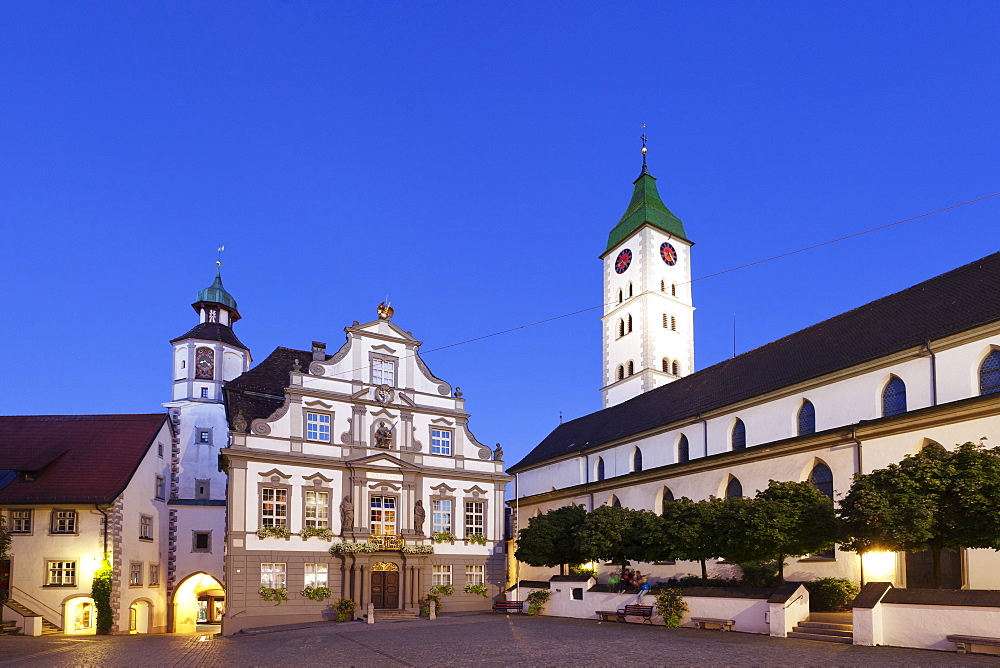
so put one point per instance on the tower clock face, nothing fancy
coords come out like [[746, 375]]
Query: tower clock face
[[204, 363], [623, 261], [668, 253]]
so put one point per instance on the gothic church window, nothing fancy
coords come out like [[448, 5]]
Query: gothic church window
[[807, 418], [599, 469], [739, 436], [822, 479], [734, 490], [667, 497], [637, 461], [683, 449], [989, 374], [894, 397]]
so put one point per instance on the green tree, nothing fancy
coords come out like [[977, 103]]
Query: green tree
[[551, 539], [689, 531], [933, 500], [620, 535], [788, 519], [4, 556]]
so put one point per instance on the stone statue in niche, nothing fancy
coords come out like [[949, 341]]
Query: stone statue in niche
[[383, 436], [498, 453], [346, 514], [419, 515]]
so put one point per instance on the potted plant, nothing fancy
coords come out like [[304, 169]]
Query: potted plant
[[317, 593], [475, 539], [276, 594], [480, 589], [671, 606], [320, 532], [345, 608], [442, 536], [275, 531]]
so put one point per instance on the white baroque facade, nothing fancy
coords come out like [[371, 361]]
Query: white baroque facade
[[364, 447]]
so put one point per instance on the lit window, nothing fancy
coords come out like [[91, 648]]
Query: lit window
[[474, 574], [85, 618], [894, 397], [440, 441], [135, 574], [318, 427], [383, 515], [61, 573], [273, 507], [317, 509], [20, 521], [807, 418], [637, 461], [739, 436], [474, 518], [161, 488], [154, 575], [204, 436], [989, 374], [441, 575], [146, 527], [272, 575], [383, 372], [683, 449], [442, 516], [734, 490], [204, 393], [599, 469], [64, 521], [316, 575]]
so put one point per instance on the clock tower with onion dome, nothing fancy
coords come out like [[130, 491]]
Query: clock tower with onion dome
[[204, 359], [648, 322]]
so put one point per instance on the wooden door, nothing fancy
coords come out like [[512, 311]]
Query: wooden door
[[385, 590]]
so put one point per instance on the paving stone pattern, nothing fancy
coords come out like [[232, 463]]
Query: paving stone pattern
[[471, 639]]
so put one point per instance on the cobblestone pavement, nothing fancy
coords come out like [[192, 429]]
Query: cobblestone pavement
[[481, 639]]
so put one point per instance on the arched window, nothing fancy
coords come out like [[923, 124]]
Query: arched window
[[807, 418], [666, 321], [663, 285], [620, 296], [673, 290], [621, 372], [667, 497], [683, 449], [989, 374], [666, 365], [629, 323], [822, 479], [621, 328], [630, 289], [673, 324], [616, 502], [637, 461], [739, 436], [894, 397], [734, 490], [631, 368], [675, 368], [599, 469]]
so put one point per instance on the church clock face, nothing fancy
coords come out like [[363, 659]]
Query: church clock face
[[668, 253], [204, 364], [623, 261]]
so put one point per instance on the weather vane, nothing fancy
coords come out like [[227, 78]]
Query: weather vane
[[218, 262], [643, 137]]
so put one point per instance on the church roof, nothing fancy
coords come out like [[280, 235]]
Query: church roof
[[73, 458], [212, 331], [217, 294], [645, 207], [953, 302]]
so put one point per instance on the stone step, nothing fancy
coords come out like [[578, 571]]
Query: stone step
[[823, 632], [827, 625], [821, 638]]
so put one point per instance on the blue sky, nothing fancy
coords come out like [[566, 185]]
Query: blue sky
[[468, 160]]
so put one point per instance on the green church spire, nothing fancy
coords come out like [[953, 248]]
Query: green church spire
[[645, 207], [216, 294]]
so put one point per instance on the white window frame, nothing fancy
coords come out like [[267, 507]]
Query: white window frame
[[383, 516], [160, 491], [441, 574], [20, 520], [441, 515], [146, 527], [135, 574], [318, 426], [441, 441], [273, 575], [317, 575], [475, 510], [64, 521], [154, 575], [60, 573], [383, 371], [317, 513], [273, 506], [475, 574]]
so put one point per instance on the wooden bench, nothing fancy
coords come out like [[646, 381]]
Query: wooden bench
[[963, 644], [723, 624], [508, 606], [644, 611]]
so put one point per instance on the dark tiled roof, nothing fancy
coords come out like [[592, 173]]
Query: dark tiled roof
[[260, 391], [212, 331], [959, 300], [982, 598], [75, 458]]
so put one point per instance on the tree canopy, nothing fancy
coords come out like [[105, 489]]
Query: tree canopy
[[933, 500], [620, 535], [551, 539], [689, 531]]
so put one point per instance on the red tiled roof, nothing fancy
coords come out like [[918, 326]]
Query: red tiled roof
[[76, 458]]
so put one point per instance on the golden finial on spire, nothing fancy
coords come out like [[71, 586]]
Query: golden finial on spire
[[385, 311], [218, 262], [643, 137]]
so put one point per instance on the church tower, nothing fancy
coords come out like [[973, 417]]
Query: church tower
[[204, 359], [648, 322]]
